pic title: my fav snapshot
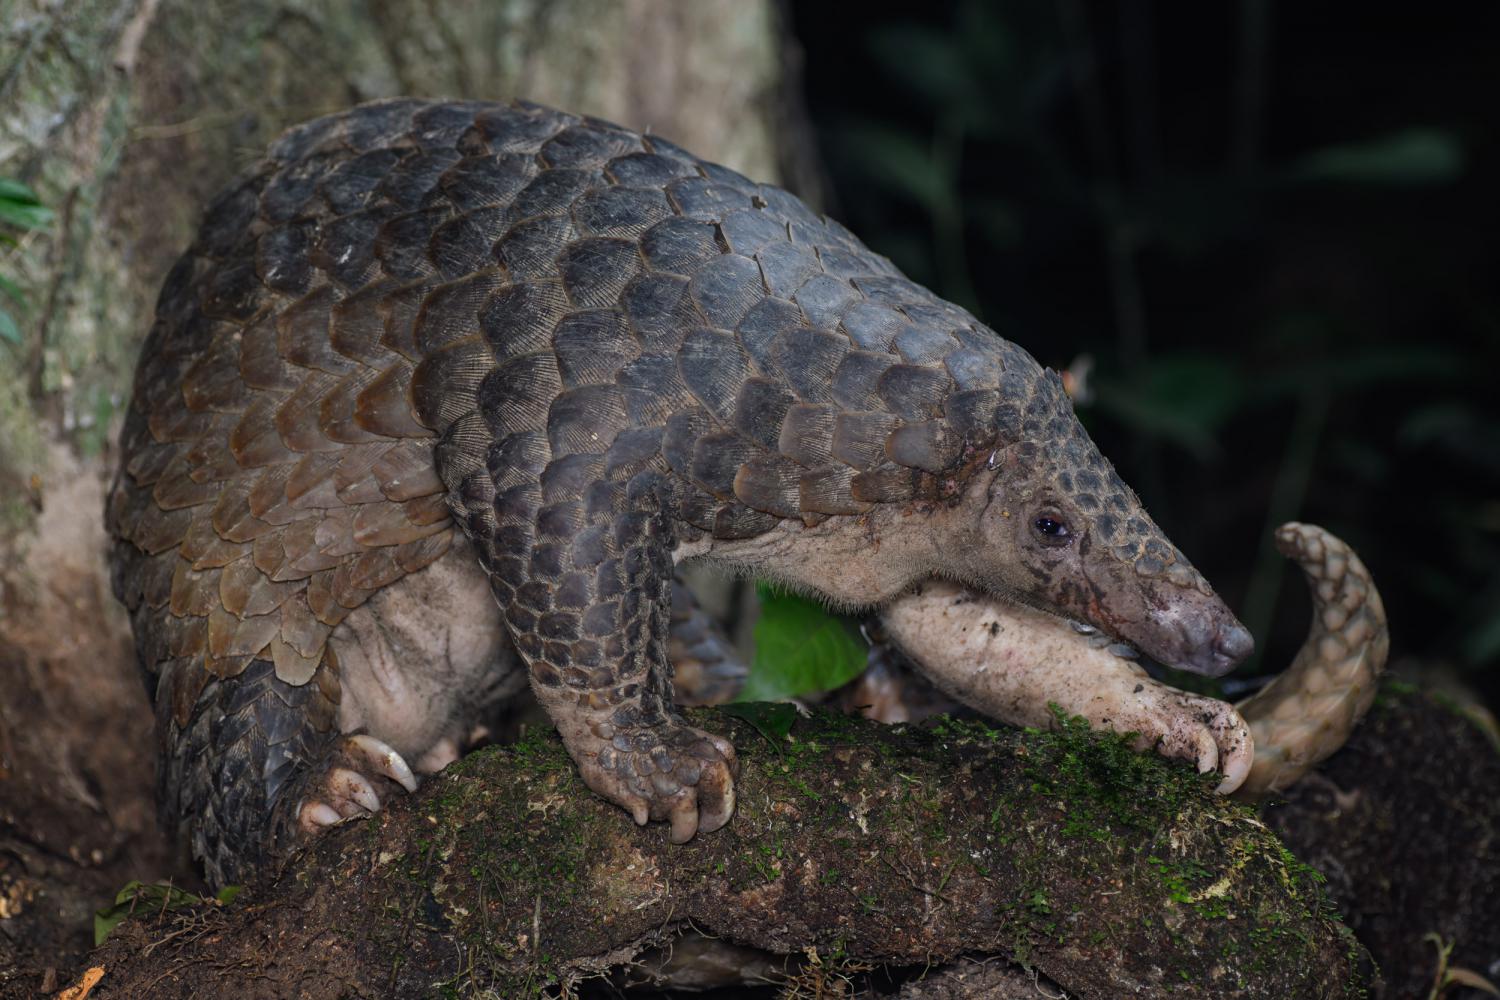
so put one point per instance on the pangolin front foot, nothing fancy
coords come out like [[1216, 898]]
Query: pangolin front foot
[[668, 771], [1207, 732], [347, 784]]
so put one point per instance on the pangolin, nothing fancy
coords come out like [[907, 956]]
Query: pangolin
[[443, 393]]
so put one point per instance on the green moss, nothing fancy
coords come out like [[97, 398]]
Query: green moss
[[933, 817], [1103, 783]]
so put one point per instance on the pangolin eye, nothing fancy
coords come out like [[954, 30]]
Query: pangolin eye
[[1052, 530]]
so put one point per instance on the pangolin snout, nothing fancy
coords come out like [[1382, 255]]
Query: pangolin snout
[[1235, 643], [1219, 652]]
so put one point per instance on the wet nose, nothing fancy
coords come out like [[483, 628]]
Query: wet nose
[[1218, 645], [1234, 642]]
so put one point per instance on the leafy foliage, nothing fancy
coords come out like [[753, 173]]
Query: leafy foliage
[[20, 207], [20, 210], [1410, 157], [773, 720], [139, 897], [800, 648]]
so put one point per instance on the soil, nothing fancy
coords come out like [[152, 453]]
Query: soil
[[77, 751]]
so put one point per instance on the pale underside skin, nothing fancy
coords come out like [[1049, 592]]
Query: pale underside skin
[[420, 661], [1014, 663], [423, 656], [436, 642]]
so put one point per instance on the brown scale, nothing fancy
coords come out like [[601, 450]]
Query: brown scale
[[589, 345]]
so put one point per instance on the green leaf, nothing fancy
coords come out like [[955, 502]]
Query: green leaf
[[24, 215], [1404, 159], [772, 719], [9, 331], [106, 920], [799, 648], [143, 897], [14, 190], [12, 289], [1458, 976]]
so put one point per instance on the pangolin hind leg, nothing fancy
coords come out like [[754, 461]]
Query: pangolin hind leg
[[262, 764], [258, 766]]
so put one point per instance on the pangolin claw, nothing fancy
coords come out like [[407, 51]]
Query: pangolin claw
[[385, 760], [345, 790], [668, 771], [1033, 660]]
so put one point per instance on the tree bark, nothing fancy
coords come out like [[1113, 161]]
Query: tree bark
[[854, 844]]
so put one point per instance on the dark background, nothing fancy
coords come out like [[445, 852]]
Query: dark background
[[1271, 226]]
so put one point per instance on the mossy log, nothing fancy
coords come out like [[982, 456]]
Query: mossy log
[[1110, 872]]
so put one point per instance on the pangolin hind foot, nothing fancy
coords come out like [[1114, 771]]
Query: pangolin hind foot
[[345, 785]]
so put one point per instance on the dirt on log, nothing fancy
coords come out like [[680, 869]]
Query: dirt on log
[[1111, 872]]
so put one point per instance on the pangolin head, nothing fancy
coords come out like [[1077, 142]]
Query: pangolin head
[[1060, 530]]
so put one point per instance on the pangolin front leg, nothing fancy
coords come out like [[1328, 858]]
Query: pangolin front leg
[[1014, 663], [592, 617]]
